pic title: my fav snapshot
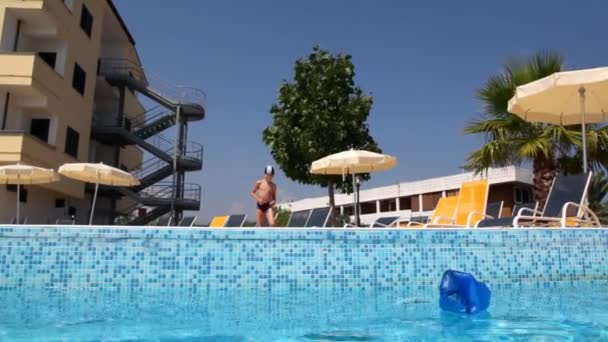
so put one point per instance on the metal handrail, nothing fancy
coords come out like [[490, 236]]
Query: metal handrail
[[164, 190], [175, 93], [142, 119], [122, 67], [193, 151], [192, 191], [149, 167]]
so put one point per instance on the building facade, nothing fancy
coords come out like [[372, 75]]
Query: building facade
[[511, 185], [71, 90]]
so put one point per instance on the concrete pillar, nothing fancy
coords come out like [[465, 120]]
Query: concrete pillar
[[420, 203], [397, 204], [377, 206]]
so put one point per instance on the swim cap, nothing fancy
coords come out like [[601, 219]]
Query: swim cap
[[269, 170]]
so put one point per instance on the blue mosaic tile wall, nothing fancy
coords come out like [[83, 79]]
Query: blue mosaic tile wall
[[197, 259]]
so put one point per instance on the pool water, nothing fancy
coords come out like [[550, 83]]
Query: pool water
[[569, 312]]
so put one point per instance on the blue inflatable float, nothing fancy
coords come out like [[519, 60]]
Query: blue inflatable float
[[460, 292]]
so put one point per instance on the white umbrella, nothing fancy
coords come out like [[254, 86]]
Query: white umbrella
[[565, 98], [20, 174], [98, 174], [353, 162]]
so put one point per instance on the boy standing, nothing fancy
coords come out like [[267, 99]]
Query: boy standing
[[265, 194]]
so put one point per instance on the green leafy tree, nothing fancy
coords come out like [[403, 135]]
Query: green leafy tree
[[509, 140], [318, 113], [282, 217]]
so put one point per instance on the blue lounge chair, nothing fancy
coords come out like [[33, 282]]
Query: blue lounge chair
[[318, 217], [65, 220], [384, 222], [494, 209], [381, 222], [164, 221], [187, 221], [567, 192], [298, 218], [236, 221], [22, 220], [508, 221]]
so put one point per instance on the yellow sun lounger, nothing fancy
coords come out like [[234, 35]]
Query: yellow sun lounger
[[444, 212], [471, 207], [218, 221]]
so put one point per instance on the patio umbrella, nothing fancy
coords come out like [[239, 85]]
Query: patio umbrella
[[353, 162], [20, 174], [98, 174], [565, 98]]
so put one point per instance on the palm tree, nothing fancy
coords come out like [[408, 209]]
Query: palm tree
[[509, 140], [597, 193]]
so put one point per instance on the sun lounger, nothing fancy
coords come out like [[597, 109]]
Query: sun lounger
[[318, 217], [164, 221], [298, 218], [381, 222], [65, 220], [385, 222], [218, 221], [494, 209], [567, 194], [236, 221], [530, 208], [443, 214], [187, 221], [22, 220]]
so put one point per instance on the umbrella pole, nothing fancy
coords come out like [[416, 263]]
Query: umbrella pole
[[356, 201], [18, 197], [93, 205], [581, 92]]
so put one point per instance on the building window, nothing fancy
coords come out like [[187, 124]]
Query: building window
[[388, 205], [71, 142], [368, 207], [86, 20], [59, 202], [40, 129], [49, 57], [452, 193], [79, 79], [405, 203], [414, 203], [429, 201], [22, 192], [523, 195], [348, 210]]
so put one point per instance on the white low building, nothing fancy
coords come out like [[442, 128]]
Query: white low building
[[511, 185]]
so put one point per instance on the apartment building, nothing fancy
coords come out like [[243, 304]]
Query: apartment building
[[71, 90], [511, 185]]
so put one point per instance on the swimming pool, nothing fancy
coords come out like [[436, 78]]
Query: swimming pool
[[81, 283]]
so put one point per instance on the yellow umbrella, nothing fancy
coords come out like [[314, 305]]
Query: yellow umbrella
[[565, 98], [98, 174], [353, 162], [20, 174]]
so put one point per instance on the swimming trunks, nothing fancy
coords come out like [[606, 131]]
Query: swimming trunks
[[263, 207]]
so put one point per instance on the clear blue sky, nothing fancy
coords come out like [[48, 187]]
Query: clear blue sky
[[421, 60]]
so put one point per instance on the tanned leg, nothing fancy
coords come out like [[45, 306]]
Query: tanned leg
[[259, 217], [270, 217]]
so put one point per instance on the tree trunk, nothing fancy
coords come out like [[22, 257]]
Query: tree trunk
[[544, 171]]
